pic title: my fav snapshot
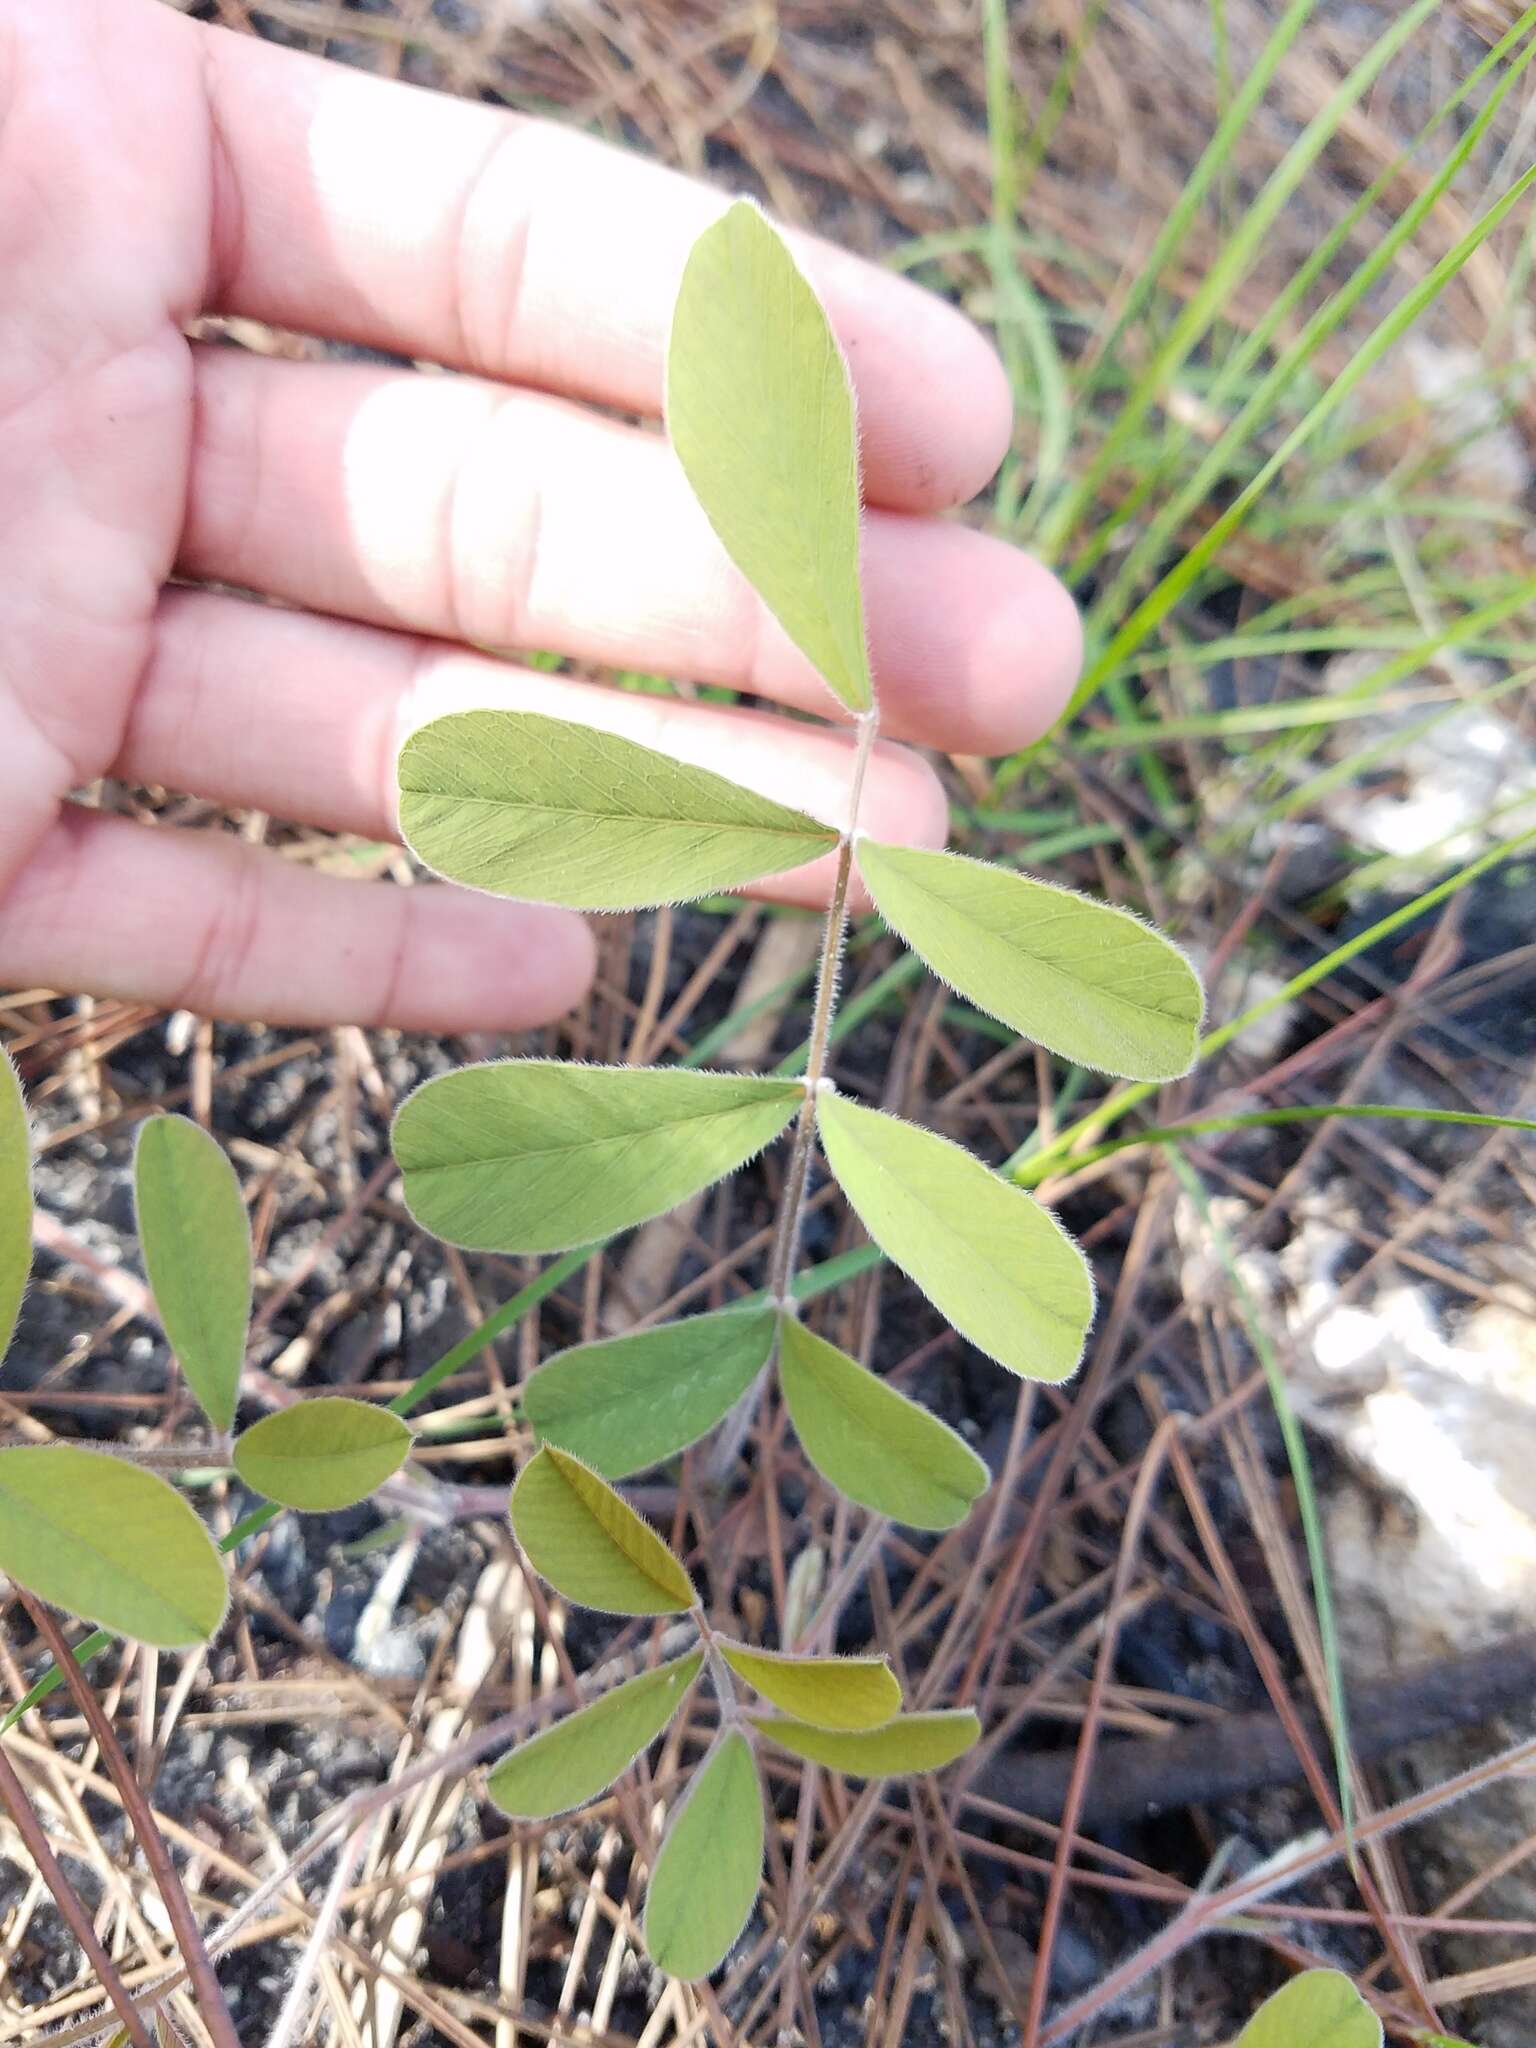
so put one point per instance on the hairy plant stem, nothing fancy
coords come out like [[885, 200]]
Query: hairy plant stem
[[209, 1998], [786, 1244], [732, 1433], [719, 1672], [209, 1456], [14, 1797]]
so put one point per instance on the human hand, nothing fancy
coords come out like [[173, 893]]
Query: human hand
[[152, 171]]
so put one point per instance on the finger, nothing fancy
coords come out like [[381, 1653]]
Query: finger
[[203, 922], [455, 508], [303, 717], [378, 213]]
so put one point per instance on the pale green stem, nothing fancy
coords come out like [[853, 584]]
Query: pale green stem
[[786, 1248], [732, 1432]]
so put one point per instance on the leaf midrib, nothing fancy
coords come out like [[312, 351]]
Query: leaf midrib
[[577, 1146], [768, 828], [639, 1564]]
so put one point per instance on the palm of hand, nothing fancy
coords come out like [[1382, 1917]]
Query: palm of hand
[[397, 518]]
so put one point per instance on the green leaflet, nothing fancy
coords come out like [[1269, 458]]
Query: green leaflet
[[760, 411], [524, 805], [709, 1866], [1318, 2009], [628, 1402], [871, 1442], [829, 1692], [196, 1242], [1089, 982], [910, 1743], [568, 1764], [15, 1199], [323, 1453], [537, 1156], [1001, 1269], [110, 1542], [590, 1544]]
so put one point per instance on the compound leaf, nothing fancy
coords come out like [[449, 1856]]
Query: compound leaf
[[323, 1453], [628, 1402], [709, 1866], [590, 1544], [761, 414], [871, 1442], [109, 1542], [828, 1692], [911, 1743], [524, 805], [1318, 2009], [1002, 1270], [570, 1763], [196, 1241], [1084, 979], [15, 1199], [540, 1156]]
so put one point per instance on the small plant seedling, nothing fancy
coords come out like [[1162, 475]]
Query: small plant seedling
[[529, 1155], [535, 1155]]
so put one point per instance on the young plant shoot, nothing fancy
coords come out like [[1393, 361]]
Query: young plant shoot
[[532, 1156]]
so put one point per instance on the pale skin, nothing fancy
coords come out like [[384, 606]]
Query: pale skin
[[152, 171]]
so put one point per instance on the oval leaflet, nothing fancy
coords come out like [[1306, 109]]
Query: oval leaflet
[[535, 1156], [568, 1764], [1001, 1269], [869, 1441], [111, 1543], [196, 1241], [760, 412], [624, 1403], [910, 1744], [590, 1544], [709, 1866], [1083, 979], [322, 1453], [550, 811], [1318, 2009], [828, 1692]]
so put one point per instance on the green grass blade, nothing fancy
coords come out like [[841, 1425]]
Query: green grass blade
[[1153, 609], [1277, 314], [1301, 1113], [1238, 254], [1222, 455]]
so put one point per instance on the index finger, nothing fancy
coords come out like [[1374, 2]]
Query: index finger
[[362, 210]]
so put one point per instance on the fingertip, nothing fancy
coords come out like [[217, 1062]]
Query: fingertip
[[976, 645], [485, 965], [945, 444], [1032, 650], [906, 800], [978, 400], [935, 406]]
